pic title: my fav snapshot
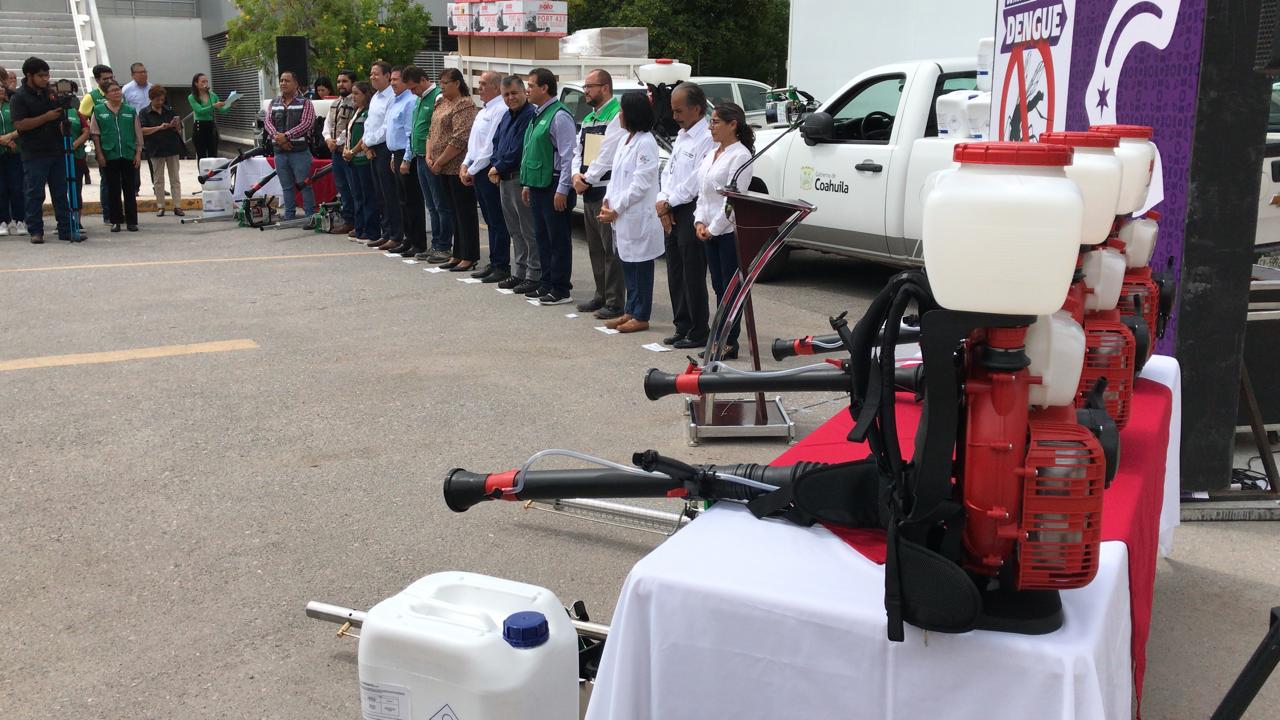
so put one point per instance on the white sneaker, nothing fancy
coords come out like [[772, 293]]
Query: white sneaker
[[4, 229], [22, 228]]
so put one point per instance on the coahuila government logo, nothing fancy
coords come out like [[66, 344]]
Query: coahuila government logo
[[822, 182]]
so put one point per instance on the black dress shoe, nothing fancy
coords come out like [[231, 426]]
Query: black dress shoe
[[450, 265], [672, 340], [131, 228], [115, 227], [482, 272], [608, 313], [496, 275], [591, 305], [398, 249], [511, 283], [687, 342], [409, 253], [460, 268]]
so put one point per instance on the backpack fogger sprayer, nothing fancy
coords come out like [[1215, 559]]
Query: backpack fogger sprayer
[[998, 504]]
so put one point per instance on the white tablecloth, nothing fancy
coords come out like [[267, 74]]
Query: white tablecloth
[[251, 171], [735, 617]]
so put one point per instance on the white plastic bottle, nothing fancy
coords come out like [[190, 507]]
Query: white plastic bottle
[[977, 111], [470, 647], [986, 53], [1104, 276], [1055, 344], [1139, 236], [1099, 173], [1001, 232], [664, 70], [1138, 154]]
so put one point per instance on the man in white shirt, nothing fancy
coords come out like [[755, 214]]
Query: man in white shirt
[[137, 92], [475, 171], [375, 142], [686, 258], [411, 237], [602, 124]]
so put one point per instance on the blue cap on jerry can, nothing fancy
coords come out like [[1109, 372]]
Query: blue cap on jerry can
[[527, 629]]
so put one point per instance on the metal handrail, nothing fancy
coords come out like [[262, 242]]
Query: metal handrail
[[90, 41]]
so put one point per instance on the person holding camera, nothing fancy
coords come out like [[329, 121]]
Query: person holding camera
[[38, 116], [290, 118], [117, 136], [162, 142]]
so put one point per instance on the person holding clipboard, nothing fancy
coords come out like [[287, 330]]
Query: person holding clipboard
[[597, 142]]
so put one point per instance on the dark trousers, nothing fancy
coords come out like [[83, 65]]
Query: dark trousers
[[12, 192], [722, 261], [555, 239], [39, 172], [342, 179], [687, 276], [205, 138], [412, 212], [122, 193], [365, 201], [639, 279], [389, 192], [437, 203], [605, 265], [466, 221], [490, 197]]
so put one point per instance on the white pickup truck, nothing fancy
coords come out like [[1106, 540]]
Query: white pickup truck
[[862, 160]]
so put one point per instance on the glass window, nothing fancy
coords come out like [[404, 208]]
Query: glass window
[[577, 103], [877, 98], [1273, 125], [718, 93], [752, 97]]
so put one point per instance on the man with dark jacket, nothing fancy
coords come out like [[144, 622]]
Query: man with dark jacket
[[526, 269], [38, 118]]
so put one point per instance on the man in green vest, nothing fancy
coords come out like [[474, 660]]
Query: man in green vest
[[592, 161], [102, 75], [429, 183], [546, 173]]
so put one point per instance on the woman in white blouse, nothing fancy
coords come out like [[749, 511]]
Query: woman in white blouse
[[628, 206], [735, 143]]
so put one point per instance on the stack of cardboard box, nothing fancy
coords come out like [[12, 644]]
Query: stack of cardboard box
[[527, 29]]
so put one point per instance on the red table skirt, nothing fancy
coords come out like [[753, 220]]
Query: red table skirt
[[325, 188], [1131, 506]]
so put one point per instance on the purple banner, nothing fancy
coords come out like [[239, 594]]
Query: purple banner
[[1137, 62]]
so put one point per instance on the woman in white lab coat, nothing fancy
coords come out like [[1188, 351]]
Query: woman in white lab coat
[[628, 206], [735, 142]]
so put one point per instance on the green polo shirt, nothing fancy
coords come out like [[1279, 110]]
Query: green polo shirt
[[422, 113]]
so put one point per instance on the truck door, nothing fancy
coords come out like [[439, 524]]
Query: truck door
[[846, 177]]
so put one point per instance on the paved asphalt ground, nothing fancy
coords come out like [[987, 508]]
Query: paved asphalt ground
[[165, 520]]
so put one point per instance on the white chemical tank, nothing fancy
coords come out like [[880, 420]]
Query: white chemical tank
[[1139, 236], [217, 201], [470, 647], [1104, 277], [1138, 154], [953, 122], [977, 111], [1001, 233], [1098, 172], [1055, 345], [664, 70], [986, 53]]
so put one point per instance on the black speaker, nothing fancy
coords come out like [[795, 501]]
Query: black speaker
[[291, 54], [1268, 58]]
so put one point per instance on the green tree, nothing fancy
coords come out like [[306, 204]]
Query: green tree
[[342, 33], [747, 38]]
